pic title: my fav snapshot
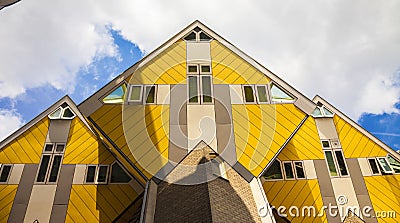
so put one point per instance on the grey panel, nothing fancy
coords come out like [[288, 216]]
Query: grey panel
[[226, 143], [178, 112], [58, 130], [58, 213], [324, 179], [357, 177], [176, 153], [164, 171], [240, 169], [64, 184], [364, 201], [330, 202], [223, 107], [23, 194]]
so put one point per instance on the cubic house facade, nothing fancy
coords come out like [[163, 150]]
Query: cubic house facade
[[197, 131]]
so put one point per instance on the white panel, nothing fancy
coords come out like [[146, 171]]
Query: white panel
[[326, 128], [343, 188], [79, 175], [364, 165], [163, 92], [236, 94], [310, 169], [198, 52], [201, 126], [263, 206], [40, 203], [16, 173]]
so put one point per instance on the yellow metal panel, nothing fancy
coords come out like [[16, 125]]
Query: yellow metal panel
[[7, 195]]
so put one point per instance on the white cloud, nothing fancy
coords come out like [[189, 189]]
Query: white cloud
[[345, 51], [10, 122]]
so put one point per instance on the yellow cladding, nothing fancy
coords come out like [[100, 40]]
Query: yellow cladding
[[384, 192], [85, 147], [141, 131], [169, 67], [26, 148], [261, 130], [229, 68], [98, 203], [297, 194], [305, 145], [7, 194], [354, 143]]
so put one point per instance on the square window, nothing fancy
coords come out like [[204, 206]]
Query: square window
[[335, 143], [205, 69], [192, 69], [90, 174], [60, 148], [48, 148], [325, 144], [150, 94], [374, 166]]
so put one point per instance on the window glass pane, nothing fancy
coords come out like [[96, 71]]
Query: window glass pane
[[204, 37], [325, 144], [192, 68], [341, 163], [331, 163], [248, 94], [299, 170], [118, 175], [55, 168], [102, 176], [60, 148], [90, 174], [278, 95], [385, 166], [288, 170], [327, 112], [317, 112], [43, 168], [394, 164], [56, 114], [205, 69], [274, 171], [262, 94], [374, 166], [68, 113], [150, 94], [193, 89], [5, 172], [117, 96], [136, 93], [48, 148], [190, 37], [206, 88]]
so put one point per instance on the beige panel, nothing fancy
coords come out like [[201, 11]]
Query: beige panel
[[16, 173], [326, 128], [344, 187], [79, 175], [163, 97], [201, 126], [262, 203], [364, 166], [305, 106], [310, 169], [40, 203], [136, 186], [198, 52], [236, 94]]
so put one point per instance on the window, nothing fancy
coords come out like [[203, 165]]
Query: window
[[384, 164], [299, 167], [322, 111], [200, 89], [336, 163], [118, 174], [117, 96], [205, 69], [288, 170], [325, 144], [62, 113], [193, 89], [199, 69], [50, 163], [274, 171], [279, 95], [206, 84], [96, 174], [192, 69], [197, 34], [135, 93], [248, 93], [394, 163], [5, 171], [262, 94], [150, 94], [374, 166]]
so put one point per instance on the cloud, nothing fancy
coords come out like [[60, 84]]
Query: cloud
[[345, 52], [10, 122]]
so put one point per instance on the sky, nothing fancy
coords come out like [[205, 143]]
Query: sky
[[346, 52]]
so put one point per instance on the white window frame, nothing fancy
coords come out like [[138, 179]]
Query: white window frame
[[377, 165], [284, 170], [244, 94], [200, 82], [123, 169], [304, 171], [387, 162], [329, 144], [334, 144], [204, 73], [336, 163], [282, 173], [61, 116], [281, 101], [96, 179], [258, 97], [198, 89], [130, 93], [9, 174], [193, 73], [86, 173], [145, 96], [53, 153]]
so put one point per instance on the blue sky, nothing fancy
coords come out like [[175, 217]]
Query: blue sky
[[347, 53]]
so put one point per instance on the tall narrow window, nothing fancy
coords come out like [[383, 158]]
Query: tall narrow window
[[135, 93], [55, 168], [341, 163], [193, 89], [44, 165], [374, 166], [206, 89], [262, 93], [288, 170], [90, 174], [331, 163], [150, 94], [274, 171], [102, 175], [298, 166], [248, 93], [50, 163], [5, 171]]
